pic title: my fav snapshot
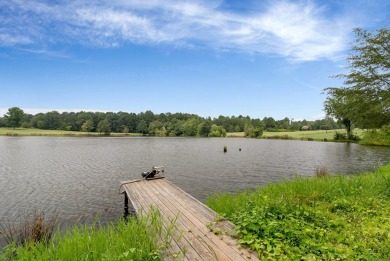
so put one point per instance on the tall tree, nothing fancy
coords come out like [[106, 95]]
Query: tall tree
[[366, 87], [87, 126], [14, 116], [104, 127]]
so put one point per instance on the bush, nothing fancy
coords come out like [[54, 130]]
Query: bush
[[257, 133], [340, 136], [374, 137], [217, 131]]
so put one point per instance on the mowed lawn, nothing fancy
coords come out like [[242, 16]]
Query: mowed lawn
[[300, 135]]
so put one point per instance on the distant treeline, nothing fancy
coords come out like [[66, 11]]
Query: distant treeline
[[163, 124]]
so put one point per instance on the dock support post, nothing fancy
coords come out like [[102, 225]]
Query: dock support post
[[126, 212]]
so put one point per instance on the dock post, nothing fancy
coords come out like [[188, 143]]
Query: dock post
[[126, 212]]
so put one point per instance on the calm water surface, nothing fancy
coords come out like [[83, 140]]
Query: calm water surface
[[76, 177]]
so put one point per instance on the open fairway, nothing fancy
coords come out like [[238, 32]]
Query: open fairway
[[39, 132]]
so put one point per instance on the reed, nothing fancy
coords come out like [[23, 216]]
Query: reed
[[34, 228]]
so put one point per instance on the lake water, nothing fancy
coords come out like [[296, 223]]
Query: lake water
[[76, 177]]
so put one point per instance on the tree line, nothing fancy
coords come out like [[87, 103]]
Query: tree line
[[149, 123]]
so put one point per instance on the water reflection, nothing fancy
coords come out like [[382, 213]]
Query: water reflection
[[80, 176]]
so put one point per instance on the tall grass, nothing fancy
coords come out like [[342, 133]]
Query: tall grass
[[333, 217], [32, 228], [377, 137], [136, 239]]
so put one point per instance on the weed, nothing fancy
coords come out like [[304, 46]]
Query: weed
[[322, 172], [137, 239], [333, 218], [33, 228]]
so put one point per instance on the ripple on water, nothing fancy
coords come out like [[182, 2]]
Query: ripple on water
[[80, 176]]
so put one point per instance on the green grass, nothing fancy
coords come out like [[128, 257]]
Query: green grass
[[138, 239], [317, 135], [329, 218], [39, 132]]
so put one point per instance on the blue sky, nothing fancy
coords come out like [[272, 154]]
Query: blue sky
[[211, 58]]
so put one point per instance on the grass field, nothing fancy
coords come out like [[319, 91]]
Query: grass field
[[318, 135], [39, 132]]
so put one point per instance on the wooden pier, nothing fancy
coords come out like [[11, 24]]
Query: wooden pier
[[198, 232]]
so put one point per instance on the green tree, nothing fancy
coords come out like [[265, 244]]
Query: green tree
[[14, 116], [257, 133], [340, 106], [2, 122], [204, 129], [366, 89], [190, 127], [217, 131], [52, 120], [104, 127], [248, 129], [87, 126], [142, 127]]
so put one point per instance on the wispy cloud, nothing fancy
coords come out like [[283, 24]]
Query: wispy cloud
[[298, 30]]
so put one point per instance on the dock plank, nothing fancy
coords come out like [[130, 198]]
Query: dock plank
[[175, 247], [192, 237]]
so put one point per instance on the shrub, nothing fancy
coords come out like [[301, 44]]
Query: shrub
[[257, 133], [377, 137], [340, 136]]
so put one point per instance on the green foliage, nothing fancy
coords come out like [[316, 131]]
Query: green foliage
[[365, 97], [14, 116], [157, 128], [142, 127], [377, 137], [87, 126], [204, 129], [163, 124], [104, 127], [248, 130], [136, 239], [217, 131], [257, 133], [340, 136], [328, 218]]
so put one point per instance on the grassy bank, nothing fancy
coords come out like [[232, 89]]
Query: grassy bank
[[333, 217], [138, 239], [39, 132], [316, 135]]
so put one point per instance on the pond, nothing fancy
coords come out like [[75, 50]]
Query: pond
[[77, 177]]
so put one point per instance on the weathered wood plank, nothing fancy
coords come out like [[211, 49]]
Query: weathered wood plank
[[177, 234], [202, 224], [173, 248], [191, 234], [205, 214], [176, 248], [206, 248]]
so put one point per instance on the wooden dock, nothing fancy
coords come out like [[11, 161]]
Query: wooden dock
[[198, 232]]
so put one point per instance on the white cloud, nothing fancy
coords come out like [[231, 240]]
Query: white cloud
[[298, 30]]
